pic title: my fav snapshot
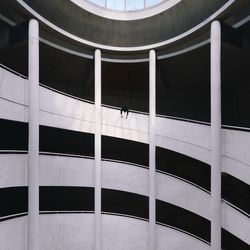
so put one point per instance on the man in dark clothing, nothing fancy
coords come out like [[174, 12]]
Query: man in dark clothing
[[124, 109]]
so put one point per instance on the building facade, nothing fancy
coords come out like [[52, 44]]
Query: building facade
[[124, 125]]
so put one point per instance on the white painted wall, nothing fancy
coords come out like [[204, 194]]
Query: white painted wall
[[75, 231], [180, 130], [54, 171], [72, 171], [187, 196], [13, 111], [171, 239], [69, 171], [67, 232], [13, 170], [134, 128], [184, 137], [235, 149], [193, 139], [13, 234], [13, 87], [236, 168], [13, 96], [13, 167], [66, 171], [124, 177], [123, 233], [236, 223], [233, 140], [61, 111], [183, 194]]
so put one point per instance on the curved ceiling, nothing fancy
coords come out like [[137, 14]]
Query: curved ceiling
[[155, 31], [126, 10], [125, 5]]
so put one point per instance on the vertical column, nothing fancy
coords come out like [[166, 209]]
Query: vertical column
[[152, 114], [98, 176], [216, 135], [33, 147]]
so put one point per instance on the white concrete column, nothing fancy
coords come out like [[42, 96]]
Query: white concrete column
[[98, 171], [216, 136], [33, 147], [152, 115]]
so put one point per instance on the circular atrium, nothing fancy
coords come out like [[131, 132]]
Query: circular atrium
[[124, 124], [126, 5]]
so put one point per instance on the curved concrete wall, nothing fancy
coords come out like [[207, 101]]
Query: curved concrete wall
[[182, 194], [188, 138], [236, 223], [13, 103], [168, 239], [187, 196], [119, 232], [66, 171], [134, 128], [13, 234], [66, 231], [184, 137], [65, 112], [70, 171], [13, 170], [191, 139], [120, 176], [60, 231]]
